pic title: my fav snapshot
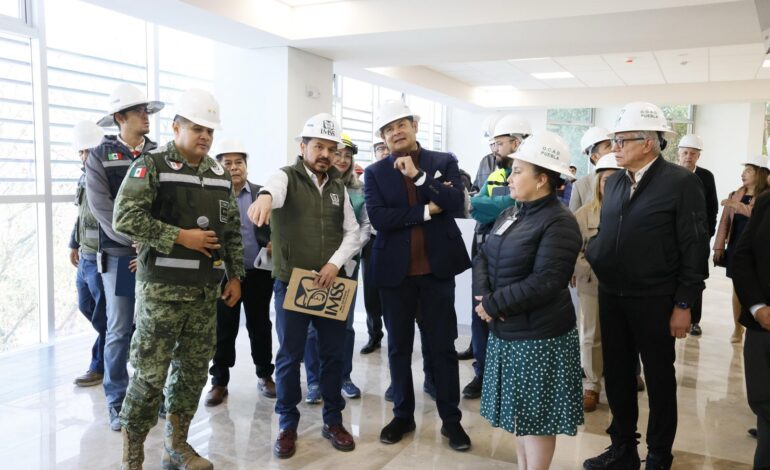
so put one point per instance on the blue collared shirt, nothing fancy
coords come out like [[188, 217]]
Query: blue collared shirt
[[250, 245]]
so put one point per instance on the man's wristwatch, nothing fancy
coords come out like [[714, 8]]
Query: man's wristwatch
[[264, 191], [416, 177], [682, 305]]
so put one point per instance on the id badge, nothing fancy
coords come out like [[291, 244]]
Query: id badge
[[501, 229]]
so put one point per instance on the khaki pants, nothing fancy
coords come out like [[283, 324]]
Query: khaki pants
[[590, 342]]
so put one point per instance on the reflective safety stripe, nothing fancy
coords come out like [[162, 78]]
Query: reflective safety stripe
[[92, 233], [177, 263], [215, 182], [110, 163], [177, 178]]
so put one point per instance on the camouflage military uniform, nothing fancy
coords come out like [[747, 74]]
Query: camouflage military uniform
[[175, 323]]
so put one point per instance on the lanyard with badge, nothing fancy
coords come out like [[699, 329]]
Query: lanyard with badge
[[510, 220]]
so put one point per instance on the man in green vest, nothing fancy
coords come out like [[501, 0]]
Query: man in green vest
[[314, 228], [84, 243], [178, 205]]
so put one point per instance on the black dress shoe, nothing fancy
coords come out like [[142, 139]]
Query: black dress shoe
[[372, 345], [616, 456], [473, 389], [389, 393], [467, 354], [458, 439], [395, 430]]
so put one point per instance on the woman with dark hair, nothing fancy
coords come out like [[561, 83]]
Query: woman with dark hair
[[735, 216], [532, 374]]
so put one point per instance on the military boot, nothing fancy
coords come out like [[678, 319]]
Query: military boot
[[177, 453], [133, 450]]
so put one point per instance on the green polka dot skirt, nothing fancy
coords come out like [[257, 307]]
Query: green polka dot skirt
[[533, 387]]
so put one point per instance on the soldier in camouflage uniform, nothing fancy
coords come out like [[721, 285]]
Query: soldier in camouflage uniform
[[178, 278]]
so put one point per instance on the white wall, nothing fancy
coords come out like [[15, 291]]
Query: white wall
[[264, 103]]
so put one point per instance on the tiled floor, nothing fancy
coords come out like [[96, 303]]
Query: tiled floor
[[45, 422]]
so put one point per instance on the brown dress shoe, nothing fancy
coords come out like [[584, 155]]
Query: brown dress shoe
[[339, 436], [286, 444], [266, 386], [216, 395], [590, 400]]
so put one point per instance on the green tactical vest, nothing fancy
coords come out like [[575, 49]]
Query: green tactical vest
[[87, 233], [181, 198], [307, 230]]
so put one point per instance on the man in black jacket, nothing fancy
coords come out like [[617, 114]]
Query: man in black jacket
[[257, 289], [650, 259], [689, 152], [751, 278]]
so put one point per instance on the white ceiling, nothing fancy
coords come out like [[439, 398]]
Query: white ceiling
[[455, 48], [697, 65]]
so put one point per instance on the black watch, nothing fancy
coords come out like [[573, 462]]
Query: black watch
[[418, 176], [264, 191], [682, 305]]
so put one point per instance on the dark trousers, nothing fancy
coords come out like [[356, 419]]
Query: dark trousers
[[372, 302], [633, 326], [756, 360], [432, 301], [479, 328], [92, 305], [292, 334], [256, 290]]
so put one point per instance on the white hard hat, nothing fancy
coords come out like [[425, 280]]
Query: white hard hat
[[377, 140], [86, 135], [760, 161], [232, 146], [607, 162], [593, 136], [547, 150], [691, 141], [322, 126], [392, 110], [123, 97], [511, 124], [200, 107], [641, 116], [488, 127]]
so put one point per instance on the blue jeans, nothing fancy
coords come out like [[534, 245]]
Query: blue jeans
[[92, 306], [292, 330], [120, 319], [313, 355]]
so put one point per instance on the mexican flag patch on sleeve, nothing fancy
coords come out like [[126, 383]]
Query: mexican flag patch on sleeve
[[114, 156], [138, 172]]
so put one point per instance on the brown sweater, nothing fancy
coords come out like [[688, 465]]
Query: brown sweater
[[418, 263]]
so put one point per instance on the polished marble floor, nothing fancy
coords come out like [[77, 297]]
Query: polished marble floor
[[46, 422]]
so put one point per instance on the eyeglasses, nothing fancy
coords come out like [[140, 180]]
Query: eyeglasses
[[140, 108], [621, 141]]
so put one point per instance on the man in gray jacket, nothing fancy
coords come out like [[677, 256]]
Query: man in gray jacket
[[106, 168]]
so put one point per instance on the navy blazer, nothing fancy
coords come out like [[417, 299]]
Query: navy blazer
[[387, 204]]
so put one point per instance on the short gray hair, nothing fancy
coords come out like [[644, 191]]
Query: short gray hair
[[654, 137]]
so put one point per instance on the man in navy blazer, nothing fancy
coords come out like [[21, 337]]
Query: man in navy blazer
[[410, 197]]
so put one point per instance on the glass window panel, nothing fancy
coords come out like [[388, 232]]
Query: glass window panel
[[671, 153], [10, 8], [572, 134], [69, 320], [17, 132], [571, 116], [19, 309], [679, 113]]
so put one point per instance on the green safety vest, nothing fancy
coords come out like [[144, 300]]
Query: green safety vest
[[497, 182], [307, 230], [181, 198], [87, 233]]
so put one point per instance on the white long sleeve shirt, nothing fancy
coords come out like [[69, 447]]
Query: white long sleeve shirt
[[277, 185]]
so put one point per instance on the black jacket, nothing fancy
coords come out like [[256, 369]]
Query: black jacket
[[522, 271], [712, 202], [655, 243], [751, 262]]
